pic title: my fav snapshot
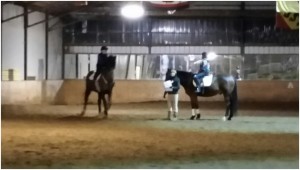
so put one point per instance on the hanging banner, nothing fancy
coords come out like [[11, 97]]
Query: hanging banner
[[287, 16], [169, 5], [287, 20], [287, 6]]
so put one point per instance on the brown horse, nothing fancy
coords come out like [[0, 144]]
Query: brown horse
[[222, 84], [106, 84]]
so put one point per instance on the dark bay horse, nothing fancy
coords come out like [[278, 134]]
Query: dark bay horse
[[106, 84], [222, 84]]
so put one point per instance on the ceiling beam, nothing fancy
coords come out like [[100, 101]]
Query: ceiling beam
[[17, 16], [64, 14], [184, 13]]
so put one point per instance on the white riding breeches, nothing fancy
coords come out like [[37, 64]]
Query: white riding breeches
[[173, 102]]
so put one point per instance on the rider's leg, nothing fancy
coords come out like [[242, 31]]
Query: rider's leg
[[170, 110], [97, 85], [175, 106], [96, 74], [199, 80], [196, 79]]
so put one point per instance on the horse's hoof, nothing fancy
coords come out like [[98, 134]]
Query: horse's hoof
[[192, 117], [81, 114], [224, 118], [198, 116]]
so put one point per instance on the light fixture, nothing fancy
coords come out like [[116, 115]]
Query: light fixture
[[211, 56], [132, 11], [171, 12]]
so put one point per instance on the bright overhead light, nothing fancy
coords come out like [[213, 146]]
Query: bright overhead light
[[132, 11], [211, 56], [171, 12]]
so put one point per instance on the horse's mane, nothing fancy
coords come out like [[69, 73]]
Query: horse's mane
[[184, 76], [185, 73], [181, 73]]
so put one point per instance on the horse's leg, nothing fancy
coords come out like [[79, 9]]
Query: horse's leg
[[99, 103], [86, 97], [195, 107], [227, 101], [105, 103], [233, 102], [109, 99]]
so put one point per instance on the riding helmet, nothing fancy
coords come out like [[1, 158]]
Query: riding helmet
[[104, 48], [204, 55]]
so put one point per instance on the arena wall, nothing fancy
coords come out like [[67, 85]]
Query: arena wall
[[126, 91]]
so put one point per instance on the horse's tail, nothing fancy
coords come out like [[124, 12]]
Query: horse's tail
[[234, 99]]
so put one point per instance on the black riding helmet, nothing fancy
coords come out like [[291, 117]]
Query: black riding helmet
[[204, 55], [104, 48]]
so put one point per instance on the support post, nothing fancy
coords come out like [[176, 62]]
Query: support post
[[63, 55], [46, 44], [76, 65], [25, 40]]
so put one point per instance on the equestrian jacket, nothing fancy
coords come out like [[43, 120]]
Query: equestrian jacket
[[204, 67], [175, 85], [103, 62]]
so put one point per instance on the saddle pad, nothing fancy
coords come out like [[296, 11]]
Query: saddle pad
[[207, 80]]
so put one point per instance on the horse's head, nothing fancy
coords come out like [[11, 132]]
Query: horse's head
[[168, 73], [185, 77]]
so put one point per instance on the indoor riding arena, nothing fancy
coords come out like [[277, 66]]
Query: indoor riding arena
[[49, 48]]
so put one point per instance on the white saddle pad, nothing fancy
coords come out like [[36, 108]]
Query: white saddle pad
[[207, 80]]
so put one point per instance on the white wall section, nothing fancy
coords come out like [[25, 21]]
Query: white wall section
[[54, 51], [13, 45], [12, 41], [36, 47]]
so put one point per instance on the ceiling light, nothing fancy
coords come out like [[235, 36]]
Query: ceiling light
[[211, 56], [132, 11], [171, 12]]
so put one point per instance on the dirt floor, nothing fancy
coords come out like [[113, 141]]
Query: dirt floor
[[139, 136]]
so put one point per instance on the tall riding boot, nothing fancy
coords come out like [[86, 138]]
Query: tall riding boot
[[175, 115], [199, 86], [169, 115]]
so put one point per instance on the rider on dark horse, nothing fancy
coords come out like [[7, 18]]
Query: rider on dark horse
[[203, 71], [102, 61], [103, 81]]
